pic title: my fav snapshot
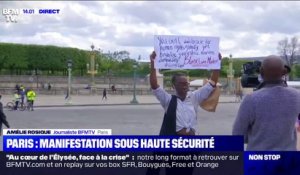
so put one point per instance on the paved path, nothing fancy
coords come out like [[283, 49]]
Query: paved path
[[89, 100]]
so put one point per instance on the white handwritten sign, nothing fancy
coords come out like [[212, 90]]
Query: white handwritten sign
[[186, 52]]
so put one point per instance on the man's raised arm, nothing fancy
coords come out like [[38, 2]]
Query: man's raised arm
[[162, 96], [153, 78]]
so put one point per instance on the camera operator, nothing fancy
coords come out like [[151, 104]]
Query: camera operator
[[267, 117]]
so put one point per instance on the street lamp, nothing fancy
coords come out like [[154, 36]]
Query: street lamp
[[37, 78], [69, 65], [92, 68], [109, 75], [134, 100], [230, 74]]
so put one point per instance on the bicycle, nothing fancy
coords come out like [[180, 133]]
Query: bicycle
[[27, 105], [11, 106]]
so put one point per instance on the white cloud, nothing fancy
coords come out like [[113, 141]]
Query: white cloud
[[245, 28]]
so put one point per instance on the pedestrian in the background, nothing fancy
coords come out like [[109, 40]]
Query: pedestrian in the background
[[17, 87], [113, 89], [17, 98], [2, 117], [88, 87], [22, 95], [104, 94], [287, 70], [241, 95], [67, 95], [238, 95], [30, 98], [49, 86]]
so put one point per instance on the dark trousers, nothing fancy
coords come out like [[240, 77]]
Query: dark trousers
[[30, 104], [16, 105], [22, 101]]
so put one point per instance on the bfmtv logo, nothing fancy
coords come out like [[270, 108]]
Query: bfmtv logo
[[11, 15]]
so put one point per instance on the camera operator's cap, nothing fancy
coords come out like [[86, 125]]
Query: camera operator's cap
[[287, 68]]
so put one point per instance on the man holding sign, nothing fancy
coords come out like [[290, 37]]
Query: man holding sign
[[181, 52], [181, 109]]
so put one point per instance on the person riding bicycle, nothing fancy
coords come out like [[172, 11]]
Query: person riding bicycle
[[30, 98], [17, 98]]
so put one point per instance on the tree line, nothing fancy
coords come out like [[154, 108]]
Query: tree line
[[21, 59]]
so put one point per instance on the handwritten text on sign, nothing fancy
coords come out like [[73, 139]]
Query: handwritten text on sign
[[186, 52]]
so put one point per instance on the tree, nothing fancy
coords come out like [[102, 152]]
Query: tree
[[125, 67], [289, 50], [296, 70], [120, 55], [51, 60], [224, 66], [143, 69], [237, 66], [13, 57], [107, 64]]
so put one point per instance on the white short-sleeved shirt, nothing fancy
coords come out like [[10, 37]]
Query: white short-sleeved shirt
[[186, 113]]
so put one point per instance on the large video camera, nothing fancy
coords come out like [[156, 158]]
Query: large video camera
[[250, 76]]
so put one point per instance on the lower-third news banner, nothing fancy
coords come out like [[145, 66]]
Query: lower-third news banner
[[94, 151]]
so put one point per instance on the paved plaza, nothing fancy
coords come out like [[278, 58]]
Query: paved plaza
[[122, 119], [92, 100]]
